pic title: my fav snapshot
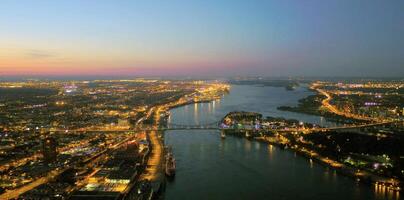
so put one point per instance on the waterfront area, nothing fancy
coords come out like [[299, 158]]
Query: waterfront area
[[266, 164], [342, 149], [352, 102], [202, 100], [126, 135], [88, 139]]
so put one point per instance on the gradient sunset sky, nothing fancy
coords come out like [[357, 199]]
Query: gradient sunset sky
[[207, 37]]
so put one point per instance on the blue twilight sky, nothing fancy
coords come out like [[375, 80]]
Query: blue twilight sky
[[170, 37]]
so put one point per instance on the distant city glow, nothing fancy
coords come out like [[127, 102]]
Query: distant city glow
[[206, 38]]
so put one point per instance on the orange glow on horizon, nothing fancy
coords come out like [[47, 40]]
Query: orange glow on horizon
[[20, 63]]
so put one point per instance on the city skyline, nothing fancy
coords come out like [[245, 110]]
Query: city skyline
[[259, 99], [271, 38]]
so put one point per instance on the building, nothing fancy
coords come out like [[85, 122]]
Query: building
[[123, 123], [49, 149]]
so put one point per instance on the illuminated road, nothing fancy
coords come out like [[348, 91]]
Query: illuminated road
[[15, 193], [21, 161], [11, 194], [155, 161], [154, 170], [326, 104], [36, 156]]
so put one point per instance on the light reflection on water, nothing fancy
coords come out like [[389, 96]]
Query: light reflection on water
[[196, 118], [382, 192], [270, 151], [236, 168]]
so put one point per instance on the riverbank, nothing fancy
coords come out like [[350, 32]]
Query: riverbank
[[362, 176], [223, 166], [312, 105], [192, 102], [333, 149]]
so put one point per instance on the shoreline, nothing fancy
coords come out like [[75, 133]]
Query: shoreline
[[369, 179], [308, 106], [191, 102], [360, 176]]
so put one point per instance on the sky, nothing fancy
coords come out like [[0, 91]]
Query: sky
[[202, 38]]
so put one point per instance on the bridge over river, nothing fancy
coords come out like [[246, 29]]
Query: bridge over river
[[217, 126]]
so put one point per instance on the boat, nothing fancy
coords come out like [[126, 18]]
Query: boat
[[170, 165]]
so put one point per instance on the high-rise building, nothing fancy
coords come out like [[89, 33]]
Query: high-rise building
[[49, 149]]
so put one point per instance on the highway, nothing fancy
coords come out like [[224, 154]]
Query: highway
[[22, 161], [326, 104], [154, 164], [12, 194]]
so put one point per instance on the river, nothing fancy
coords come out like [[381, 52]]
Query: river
[[236, 168]]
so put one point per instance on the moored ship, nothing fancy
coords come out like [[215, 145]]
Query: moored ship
[[170, 165]]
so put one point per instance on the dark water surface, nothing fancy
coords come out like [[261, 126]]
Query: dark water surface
[[236, 168]]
